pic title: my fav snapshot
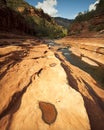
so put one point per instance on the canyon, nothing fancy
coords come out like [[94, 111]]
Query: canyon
[[50, 84]]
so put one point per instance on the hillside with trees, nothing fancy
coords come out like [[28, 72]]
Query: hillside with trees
[[19, 15], [89, 22]]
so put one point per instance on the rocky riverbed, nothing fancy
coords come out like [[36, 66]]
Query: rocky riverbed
[[42, 90]]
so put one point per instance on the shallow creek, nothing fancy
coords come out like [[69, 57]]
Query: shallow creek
[[96, 72]]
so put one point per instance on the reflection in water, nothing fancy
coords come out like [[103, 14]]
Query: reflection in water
[[96, 72]]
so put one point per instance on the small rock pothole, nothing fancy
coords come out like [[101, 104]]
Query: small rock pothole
[[52, 65], [49, 112]]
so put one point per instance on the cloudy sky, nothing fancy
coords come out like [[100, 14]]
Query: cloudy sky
[[64, 8]]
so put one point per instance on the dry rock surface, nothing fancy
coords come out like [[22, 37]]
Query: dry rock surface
[[40, 90]]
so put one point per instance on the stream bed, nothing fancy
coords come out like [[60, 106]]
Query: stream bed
[[96, 72]]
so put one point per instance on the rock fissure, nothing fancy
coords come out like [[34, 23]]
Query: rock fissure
[[97, 105], [72, 82], [49, 102], [16, 96], [7, 69], [94, 95], [39, 72]]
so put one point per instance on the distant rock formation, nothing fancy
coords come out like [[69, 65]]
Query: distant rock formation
[[63, 21]]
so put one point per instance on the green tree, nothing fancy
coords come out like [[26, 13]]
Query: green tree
[[100, 6]]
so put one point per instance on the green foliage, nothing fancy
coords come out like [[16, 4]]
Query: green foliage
[[50, 30], [87, 15], [30, 21], [87, 18], [16, 3], [91, 28], [100, 7], [84, 16], [98, 27], [44, 28], [42, 23]]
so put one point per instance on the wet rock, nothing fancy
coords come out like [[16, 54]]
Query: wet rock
[[49, 112]]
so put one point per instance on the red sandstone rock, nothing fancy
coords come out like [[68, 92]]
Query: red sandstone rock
[[29, 80]]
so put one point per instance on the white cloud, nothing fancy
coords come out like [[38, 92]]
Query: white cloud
[[48, 6], [93, 6]]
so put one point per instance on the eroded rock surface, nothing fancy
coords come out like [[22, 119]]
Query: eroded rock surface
[[88, 54], [83, 79], [39, 91]]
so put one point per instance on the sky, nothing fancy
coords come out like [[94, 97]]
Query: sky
[[64, 8]]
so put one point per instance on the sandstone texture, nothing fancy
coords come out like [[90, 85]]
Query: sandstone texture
[[35, 93], [90, 52], [88, 75], [41, 90]]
